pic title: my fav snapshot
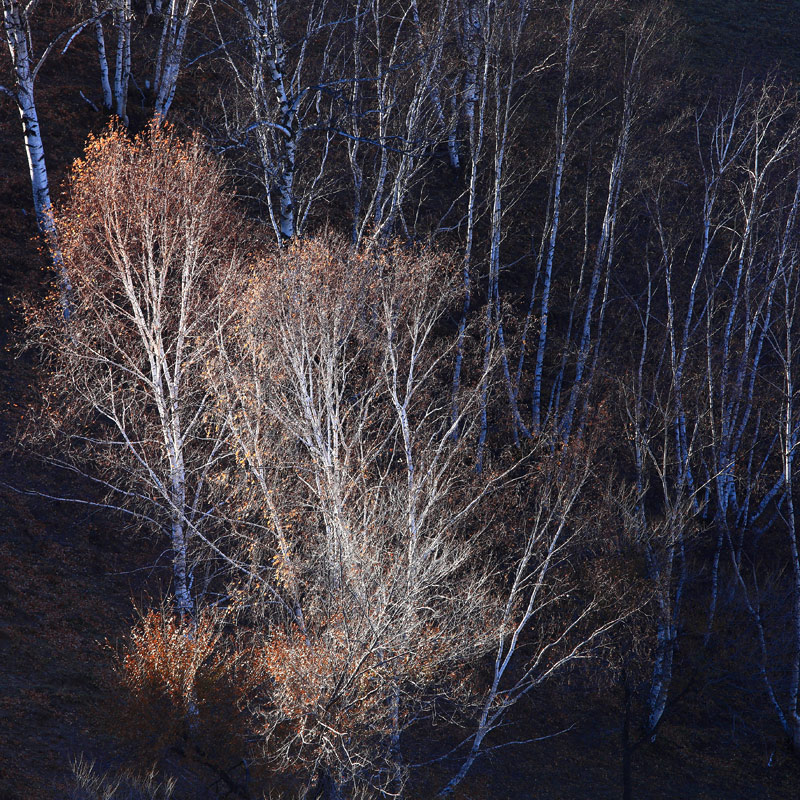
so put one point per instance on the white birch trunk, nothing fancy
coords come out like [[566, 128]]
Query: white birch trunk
[[170, 52], [484, 425], [105, 82], [790, 442], [794, 682], [434, 78], [178, 536], [471, 30], [476, 140], [122, 63], [354, 144], [504, 86], [17, 36], [272, 54], [516, 670], [561, 155]]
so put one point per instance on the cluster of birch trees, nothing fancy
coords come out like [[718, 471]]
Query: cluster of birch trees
[[554, 331], [283, 417]]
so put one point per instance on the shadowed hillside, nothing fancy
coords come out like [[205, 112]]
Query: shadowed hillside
[[668, 579], [728, 36]]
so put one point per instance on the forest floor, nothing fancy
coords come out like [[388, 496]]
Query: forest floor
[[69, 580]]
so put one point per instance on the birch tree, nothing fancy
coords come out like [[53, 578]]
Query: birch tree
[[17, 29], [788, 710], [279, 94], [367, 540], [501, 65], [758, 256], [125, 403], [176, 18], [401, 84], [123, 20], [105, 82], [18, 33], [359, 549], [775, 617], [358, 83], [661, 528], [642, 39], [549, 619]]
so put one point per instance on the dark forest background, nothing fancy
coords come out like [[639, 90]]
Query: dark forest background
[[663, 391]]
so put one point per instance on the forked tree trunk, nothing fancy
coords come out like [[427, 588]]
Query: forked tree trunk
[[170, 53], [270, 56], [122, 65]]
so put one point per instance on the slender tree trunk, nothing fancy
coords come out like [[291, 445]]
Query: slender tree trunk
[[477, 743], [122, 65], [601, 264], [662, 670], [790, 439], [22, 60], [105, 82], [471, 30], [16, 30], [289, 127], [562, 127], [34, 151], [435, 93], [476, 139], [353, 145], [794, 686], [170, 53], [179, 538]]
